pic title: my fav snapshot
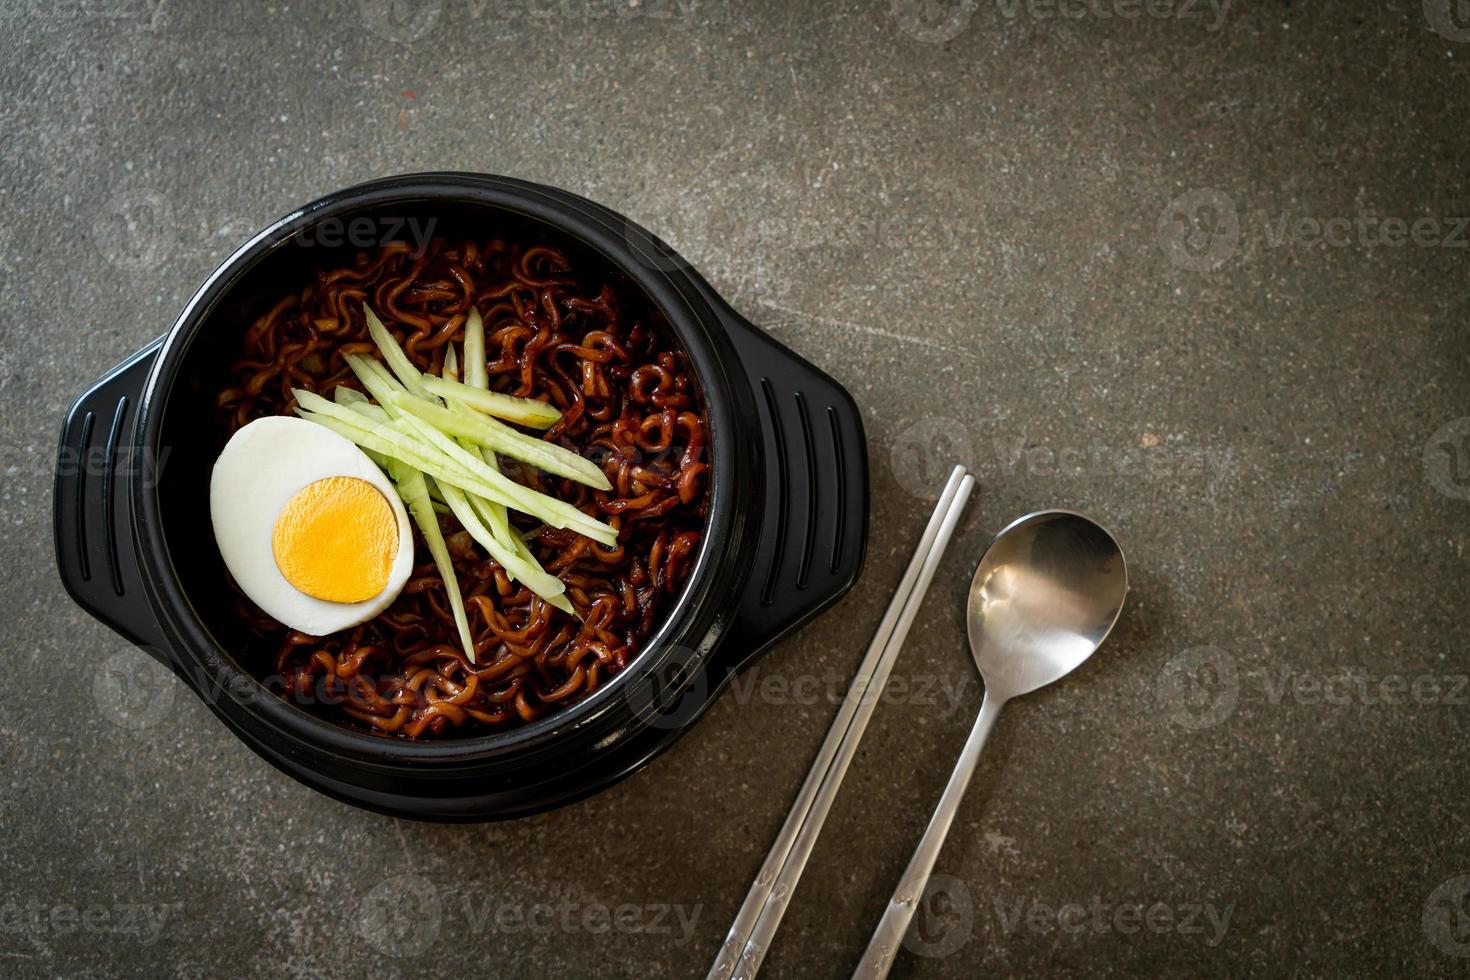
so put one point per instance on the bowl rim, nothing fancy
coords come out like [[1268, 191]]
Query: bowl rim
[[212, 670]]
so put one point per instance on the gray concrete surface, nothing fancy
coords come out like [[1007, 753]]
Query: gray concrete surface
[[1136, 260]]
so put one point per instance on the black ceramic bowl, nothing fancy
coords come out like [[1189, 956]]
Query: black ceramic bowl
[[787, 517]]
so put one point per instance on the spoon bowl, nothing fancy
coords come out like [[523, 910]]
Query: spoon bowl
[[1045, 595]]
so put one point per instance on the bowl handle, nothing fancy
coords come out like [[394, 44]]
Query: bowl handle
[[96, 465], [813, 532]]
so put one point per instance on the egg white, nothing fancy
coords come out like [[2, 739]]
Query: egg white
[[262, 467]]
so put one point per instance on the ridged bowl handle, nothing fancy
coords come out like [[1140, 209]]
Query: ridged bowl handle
[[96, 465], [814, 509]]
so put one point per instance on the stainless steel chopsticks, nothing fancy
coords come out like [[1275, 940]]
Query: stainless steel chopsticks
[[755, 924]]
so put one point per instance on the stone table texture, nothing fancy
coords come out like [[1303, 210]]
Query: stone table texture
[[1198, 269]]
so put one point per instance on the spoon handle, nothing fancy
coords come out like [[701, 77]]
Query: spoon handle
[[883, 947]]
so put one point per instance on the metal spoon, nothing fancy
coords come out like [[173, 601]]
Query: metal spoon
[[1048, 590]]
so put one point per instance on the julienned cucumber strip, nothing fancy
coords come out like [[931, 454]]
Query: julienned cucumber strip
[[385, 440], [503, 546], [497, 517], [500, 437], [387, 390], [519, 546], [358, 402], [358, 432], [380, 369], [496, 435], [383, 386], [495, 514], [415, 491], [370, 411], [443, 471], [469, 463], [393, 354], [378, 382], [344, 395], [526, 411], [515, 558], [499, 520], [537, 580], [449, 463], [390, 442], [476, 374], [522, 553]]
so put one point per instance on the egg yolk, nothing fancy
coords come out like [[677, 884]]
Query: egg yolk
[[336, 540]]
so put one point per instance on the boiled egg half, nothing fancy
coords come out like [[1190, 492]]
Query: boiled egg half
[[310, 528]]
